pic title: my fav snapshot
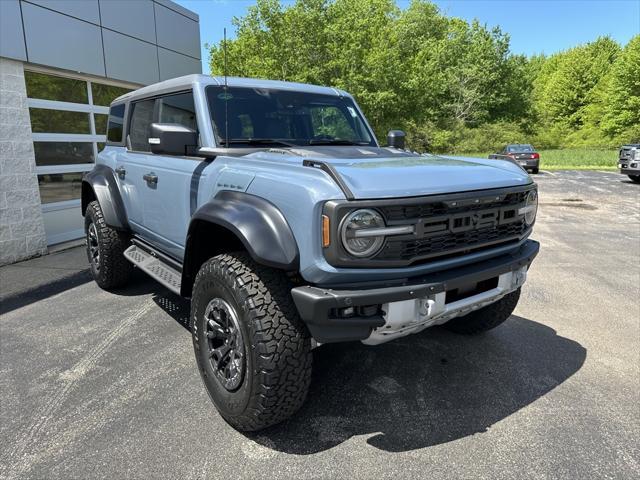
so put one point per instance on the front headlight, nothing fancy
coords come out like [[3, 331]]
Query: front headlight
[[359, 234], [636, 154], [531, 207]]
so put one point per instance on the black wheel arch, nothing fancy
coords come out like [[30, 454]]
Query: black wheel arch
[[233, 221], [101, 184]]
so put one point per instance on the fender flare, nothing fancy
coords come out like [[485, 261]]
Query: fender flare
[[256, 222], [102, 182]]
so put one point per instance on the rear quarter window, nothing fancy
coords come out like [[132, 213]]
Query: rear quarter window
[[115, 123]]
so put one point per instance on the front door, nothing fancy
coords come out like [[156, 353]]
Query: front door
[[161, 185]]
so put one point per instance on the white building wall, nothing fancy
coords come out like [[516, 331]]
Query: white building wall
[[22, 232]]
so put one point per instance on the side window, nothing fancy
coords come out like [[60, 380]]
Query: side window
[[115, 123], [178, 109], [140, 128]]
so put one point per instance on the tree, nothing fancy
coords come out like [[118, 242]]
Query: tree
[[566, 83], [449, 83], [621, 96]]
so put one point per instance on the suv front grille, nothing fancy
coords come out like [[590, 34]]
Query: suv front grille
[[409, 212], [444, 226], [451, 228], [451, 243]]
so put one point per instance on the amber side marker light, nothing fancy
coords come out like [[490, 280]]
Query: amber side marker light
[[326, 239]]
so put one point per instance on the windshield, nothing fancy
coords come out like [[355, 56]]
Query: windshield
[[519, 148], [262, 116]]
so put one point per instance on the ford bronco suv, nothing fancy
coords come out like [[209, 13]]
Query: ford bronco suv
[[629, 161], [272, 207]]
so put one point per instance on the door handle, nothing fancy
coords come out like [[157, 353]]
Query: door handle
[[151, 178], [121, 172]]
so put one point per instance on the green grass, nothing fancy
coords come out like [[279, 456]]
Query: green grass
[[571, 159]]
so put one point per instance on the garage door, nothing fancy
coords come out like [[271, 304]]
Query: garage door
[[68, 124]]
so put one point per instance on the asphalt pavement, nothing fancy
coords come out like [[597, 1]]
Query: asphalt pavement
[[104, 385]]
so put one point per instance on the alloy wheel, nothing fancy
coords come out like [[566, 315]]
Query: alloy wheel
[[226, 349]]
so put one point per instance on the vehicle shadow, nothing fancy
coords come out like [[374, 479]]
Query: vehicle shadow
[[174, 305], [425, 389]]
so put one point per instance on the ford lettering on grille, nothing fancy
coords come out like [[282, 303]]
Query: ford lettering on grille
[[465, 222]]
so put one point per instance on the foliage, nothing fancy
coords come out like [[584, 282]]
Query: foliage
[[571, 158], [452, 85]]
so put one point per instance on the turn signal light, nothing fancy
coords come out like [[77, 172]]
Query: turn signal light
[[326, 238]]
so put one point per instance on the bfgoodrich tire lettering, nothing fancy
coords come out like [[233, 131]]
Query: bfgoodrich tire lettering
[[105, 250], [487, 317], [277, 365]]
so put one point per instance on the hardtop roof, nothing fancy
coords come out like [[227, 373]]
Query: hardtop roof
[[190, 81]]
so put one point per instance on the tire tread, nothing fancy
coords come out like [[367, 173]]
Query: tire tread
[[282, 363], [115, 269]]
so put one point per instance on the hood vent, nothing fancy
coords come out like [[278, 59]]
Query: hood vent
[[333, 173]]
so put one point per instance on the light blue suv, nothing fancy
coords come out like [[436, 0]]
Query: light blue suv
[[273, 207]]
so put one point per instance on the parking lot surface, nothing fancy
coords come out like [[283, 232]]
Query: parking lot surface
[[104, 385]]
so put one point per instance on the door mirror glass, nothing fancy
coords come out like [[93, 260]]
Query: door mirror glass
[[395, 139], [173, 139]]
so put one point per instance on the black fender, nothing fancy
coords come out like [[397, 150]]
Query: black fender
[[102, 182], [257, 223]]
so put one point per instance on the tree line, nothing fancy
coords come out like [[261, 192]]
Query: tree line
[[452, 85]]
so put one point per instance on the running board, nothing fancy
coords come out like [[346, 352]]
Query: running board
[[154, 267]]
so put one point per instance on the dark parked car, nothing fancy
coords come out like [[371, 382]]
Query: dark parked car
[[520, 154]]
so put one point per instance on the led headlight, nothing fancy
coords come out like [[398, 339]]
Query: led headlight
[[359, 232], [531, 207]]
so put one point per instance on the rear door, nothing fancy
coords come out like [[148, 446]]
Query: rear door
[[131, 164]]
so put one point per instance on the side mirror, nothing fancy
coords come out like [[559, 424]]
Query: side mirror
[[395, 139], [173, 139]]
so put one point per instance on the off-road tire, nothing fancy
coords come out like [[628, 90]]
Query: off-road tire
[[535, 170], [277, 366], [485, 318], [635, 178], [112, 270]]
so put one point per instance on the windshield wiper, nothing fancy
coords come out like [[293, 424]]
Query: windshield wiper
[[335, 141], [258, 141]]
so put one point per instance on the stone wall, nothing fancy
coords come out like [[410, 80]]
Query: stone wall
[[21, 227]]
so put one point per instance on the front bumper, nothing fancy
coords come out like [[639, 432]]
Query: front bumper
[[629, 167], [318, 307]]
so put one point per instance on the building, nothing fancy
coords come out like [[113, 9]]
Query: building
[[61, 64]]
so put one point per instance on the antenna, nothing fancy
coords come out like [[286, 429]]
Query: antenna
[[226, 94]]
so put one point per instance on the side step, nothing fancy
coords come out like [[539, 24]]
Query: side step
[[154, 267]]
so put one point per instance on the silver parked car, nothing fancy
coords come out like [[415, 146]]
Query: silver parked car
[[629, 161]]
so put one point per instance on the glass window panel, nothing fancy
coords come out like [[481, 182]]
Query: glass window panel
[[178, 109], [330, 121], [101, 123], [58, 121], [100, 146], [51, 87], [116, 121], [140, 129], [105, 94], [58, 187], [63, 153]]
